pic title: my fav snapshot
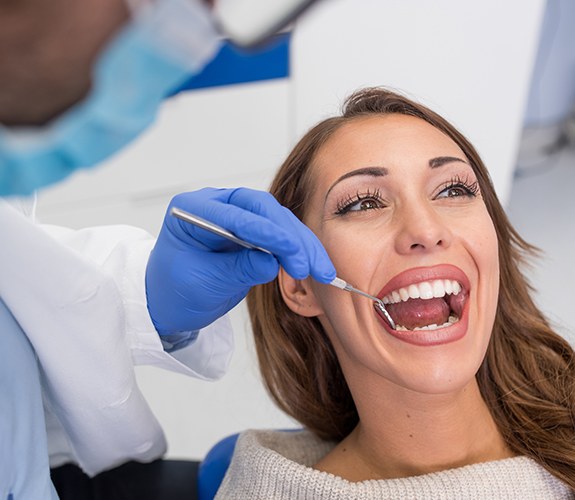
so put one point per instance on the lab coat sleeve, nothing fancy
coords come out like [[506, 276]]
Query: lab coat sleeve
[[73, 315], [122, 252], [79, 297]]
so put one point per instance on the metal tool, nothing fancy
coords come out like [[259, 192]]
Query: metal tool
[[343, 285], [224, 233], [214, 228]]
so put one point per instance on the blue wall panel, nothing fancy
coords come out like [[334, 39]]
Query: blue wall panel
[[233, 65]]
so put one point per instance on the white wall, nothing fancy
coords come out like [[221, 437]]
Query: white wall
[[542, 209], [471, 61], [541, 204]]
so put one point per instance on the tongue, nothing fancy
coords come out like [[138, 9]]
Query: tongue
[[418, 312]]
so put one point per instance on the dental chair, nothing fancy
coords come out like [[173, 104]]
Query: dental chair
[[213, 467], [158, 480]]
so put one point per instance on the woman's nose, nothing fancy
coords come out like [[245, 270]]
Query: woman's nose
[[422, 229]]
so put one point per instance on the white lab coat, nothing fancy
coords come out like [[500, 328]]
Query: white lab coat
[[80, 298]]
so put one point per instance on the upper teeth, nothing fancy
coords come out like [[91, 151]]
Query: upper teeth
[[424, 290]]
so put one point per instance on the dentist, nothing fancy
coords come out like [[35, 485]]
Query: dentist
[[79, 81]]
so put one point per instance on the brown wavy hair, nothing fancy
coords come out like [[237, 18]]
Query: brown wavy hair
[[528, 375]]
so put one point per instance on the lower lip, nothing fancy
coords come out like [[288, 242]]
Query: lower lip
[[428, 338]]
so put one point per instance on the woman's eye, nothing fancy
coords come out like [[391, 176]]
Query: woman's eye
[[458, 188], [360, 203], [364, 205], [454, 192]]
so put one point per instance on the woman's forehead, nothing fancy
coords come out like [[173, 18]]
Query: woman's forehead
[[381, 140]]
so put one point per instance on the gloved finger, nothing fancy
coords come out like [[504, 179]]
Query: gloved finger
[[295, 246], [227, 271], [256, 267], [257, 217], [319, 264], [211, 204], [251, 227], [311, 257]]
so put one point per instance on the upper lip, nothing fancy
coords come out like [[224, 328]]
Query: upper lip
[[420, 274]]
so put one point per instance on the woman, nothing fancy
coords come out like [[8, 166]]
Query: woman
[[472, 395]]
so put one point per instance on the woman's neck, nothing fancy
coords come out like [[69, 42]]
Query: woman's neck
[[407, 434]]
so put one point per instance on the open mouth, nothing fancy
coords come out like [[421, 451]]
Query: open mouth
[[428, 305]]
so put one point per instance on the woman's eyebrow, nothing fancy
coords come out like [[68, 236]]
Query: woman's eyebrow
[[371, 171], [442, 160]]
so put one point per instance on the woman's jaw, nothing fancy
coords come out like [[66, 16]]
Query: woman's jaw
[[429, 305]]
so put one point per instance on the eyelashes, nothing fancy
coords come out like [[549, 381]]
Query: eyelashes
[[360, 202], [458, 186], [363, 201]]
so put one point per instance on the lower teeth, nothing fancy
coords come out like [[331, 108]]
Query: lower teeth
[[450, 321]]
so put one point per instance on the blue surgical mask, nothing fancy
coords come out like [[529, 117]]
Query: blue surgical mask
[[165, 43]]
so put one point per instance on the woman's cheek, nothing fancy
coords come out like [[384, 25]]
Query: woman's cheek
[[346, 246]]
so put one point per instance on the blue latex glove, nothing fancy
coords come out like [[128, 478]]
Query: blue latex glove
[[194, 276]]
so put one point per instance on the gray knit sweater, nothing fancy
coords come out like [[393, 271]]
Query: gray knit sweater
[[270, 465]]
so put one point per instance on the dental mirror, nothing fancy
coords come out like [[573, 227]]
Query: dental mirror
[[248, 22]]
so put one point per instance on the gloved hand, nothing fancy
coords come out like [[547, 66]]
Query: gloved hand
[[194, 276]]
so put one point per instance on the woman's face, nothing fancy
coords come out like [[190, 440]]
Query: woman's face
[[398, 208]]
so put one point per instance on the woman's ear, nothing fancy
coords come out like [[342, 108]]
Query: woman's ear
[[298, 295]]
